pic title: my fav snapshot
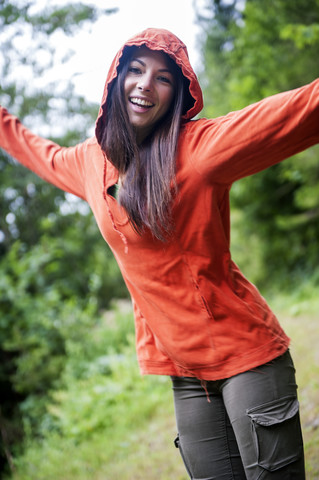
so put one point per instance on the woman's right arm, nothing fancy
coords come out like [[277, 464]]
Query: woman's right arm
[[63, 167]]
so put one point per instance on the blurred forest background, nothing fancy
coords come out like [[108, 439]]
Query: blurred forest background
[[72, 403]]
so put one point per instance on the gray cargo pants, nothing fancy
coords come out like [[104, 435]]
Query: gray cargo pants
[[243, 427]]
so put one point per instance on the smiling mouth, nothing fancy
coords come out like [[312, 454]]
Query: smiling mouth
[[140, 102]]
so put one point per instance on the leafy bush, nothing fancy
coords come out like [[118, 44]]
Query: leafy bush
[[44, 332], [252, 50], [103, 398]]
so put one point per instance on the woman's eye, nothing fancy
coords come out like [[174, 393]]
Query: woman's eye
[[164, 79], [134, 70]]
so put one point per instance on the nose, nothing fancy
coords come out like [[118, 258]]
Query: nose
[[145, 83]]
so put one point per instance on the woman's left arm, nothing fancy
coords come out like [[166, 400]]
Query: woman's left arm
[[247, 141]]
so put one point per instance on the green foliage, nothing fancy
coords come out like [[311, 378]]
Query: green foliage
[[68, 18], [56, 273], [254, 49], [33, 324], [301, 35], [54, 280], [55, 343], [104, 398]]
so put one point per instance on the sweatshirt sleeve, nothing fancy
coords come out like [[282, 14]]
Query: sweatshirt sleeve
[[247, 141], [63, 167]]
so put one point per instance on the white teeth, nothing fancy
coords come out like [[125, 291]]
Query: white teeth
[[141, 102]]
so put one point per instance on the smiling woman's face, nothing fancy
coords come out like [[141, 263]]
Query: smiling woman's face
[[149, 90]]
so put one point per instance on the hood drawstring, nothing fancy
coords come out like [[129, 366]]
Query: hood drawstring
[[115, 228], [204, 386], [203, 383]]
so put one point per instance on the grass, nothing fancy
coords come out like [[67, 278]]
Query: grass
[[142, 450], [300, 321], [138, 441]]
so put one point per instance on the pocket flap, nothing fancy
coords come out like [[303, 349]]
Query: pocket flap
[[274, 412]]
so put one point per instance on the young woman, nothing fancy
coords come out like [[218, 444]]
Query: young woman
[[158, 184]]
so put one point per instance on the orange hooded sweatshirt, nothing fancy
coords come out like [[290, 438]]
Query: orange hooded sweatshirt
[[195, 312]]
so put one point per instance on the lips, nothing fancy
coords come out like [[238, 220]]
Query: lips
[[141, 102]]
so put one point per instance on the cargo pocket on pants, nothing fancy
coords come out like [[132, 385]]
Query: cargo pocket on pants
[[277, 433]]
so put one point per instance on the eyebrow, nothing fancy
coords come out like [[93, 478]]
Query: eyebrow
[[144, 65]]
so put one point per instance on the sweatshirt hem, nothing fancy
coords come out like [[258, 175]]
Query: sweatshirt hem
[[218, 371]]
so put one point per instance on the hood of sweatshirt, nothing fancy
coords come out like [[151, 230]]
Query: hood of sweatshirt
[[162, 40]]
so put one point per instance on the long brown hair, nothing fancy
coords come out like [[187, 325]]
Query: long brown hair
[[149, 183]]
